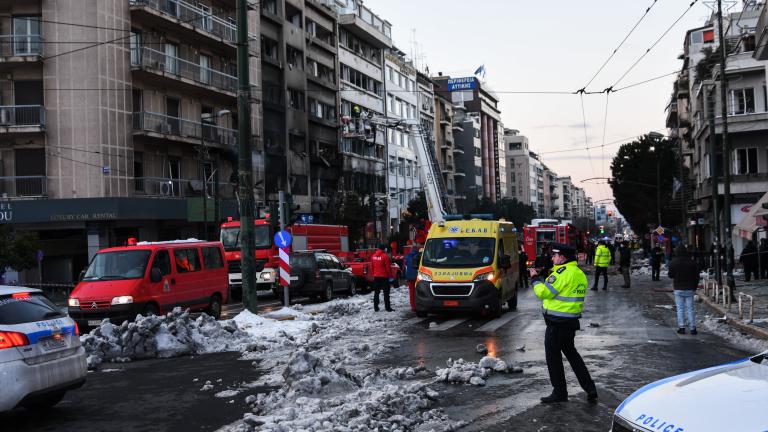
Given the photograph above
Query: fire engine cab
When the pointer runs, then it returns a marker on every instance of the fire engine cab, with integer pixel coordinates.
(545, 231)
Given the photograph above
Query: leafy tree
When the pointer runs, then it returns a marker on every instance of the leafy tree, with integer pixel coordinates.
(508, 208)
(348, 209)
(18, 249)
(417, 210)
(634, 183)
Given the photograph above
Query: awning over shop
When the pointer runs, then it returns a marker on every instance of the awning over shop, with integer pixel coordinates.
(753, 220)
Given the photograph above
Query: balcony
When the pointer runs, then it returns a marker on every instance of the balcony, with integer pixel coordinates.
(458, 149)
(23, 187)
(22, 118)
(367, 25)
(175, 68)
(447, 168)
(193, 18)
(20, 48)
(554, 196)
(163, 187)
(460, 172)
(164, 127)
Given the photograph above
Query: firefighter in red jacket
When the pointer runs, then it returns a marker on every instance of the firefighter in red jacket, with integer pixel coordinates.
(382, 275)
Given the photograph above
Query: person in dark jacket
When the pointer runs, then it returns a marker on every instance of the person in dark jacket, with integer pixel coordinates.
(657, 256)
(411, 262)
(523, 257)
(382, 274)
(685, 274)
(625, 262)
(543, 262)
(748, 259)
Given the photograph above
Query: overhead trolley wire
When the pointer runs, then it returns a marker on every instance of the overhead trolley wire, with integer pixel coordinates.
(620, 44)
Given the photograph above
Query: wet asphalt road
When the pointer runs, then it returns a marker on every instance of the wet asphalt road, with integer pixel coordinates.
(634, 344)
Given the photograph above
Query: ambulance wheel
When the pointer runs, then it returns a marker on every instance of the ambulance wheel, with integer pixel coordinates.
(498, 310)
(150, 309)
(214, 306)
(328, 292)
(512, 303)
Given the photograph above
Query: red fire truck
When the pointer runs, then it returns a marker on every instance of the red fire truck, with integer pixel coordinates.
(545, 231)
(331, 238)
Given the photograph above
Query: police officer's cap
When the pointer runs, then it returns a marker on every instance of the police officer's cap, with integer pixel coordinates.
(564, 249)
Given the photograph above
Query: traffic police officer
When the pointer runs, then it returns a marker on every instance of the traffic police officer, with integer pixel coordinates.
(563, 294)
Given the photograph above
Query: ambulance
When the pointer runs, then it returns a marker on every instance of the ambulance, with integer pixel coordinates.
(468, 265)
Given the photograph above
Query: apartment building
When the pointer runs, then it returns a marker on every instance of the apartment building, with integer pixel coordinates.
(529, 180)
(363, 39)
(401, 102)
(469, 162)
(550, 193)
(445, 146)
(300, 105)
(101, 142)
(501, 152)
(564, 188)
(697, 96)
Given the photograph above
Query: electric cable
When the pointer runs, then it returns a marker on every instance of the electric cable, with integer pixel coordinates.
(620, 44)
(690, 6)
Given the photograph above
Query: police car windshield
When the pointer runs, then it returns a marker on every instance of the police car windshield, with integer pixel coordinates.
(459, 252)
(128, 264)
(230, 238)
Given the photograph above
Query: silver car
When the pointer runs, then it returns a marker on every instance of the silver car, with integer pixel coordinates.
(40, 352)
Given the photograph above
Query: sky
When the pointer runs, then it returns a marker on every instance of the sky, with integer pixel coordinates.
(556, 46)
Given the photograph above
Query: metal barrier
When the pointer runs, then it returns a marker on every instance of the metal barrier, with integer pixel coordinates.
(751, 307)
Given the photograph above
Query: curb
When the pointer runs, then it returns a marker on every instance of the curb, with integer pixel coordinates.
(734, 321)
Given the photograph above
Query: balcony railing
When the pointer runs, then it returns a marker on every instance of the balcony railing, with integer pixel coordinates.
(192, 15)
(371, 18)
(163, 124)
(23, 187)
(154, 60)
(460, 172)
(22, 115)
(163, 187)
(21, 45)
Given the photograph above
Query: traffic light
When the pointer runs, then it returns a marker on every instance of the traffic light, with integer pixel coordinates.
(610, 213)
(602, 229)
(273, 216)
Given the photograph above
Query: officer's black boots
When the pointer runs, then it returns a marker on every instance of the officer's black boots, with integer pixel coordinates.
(555, 397)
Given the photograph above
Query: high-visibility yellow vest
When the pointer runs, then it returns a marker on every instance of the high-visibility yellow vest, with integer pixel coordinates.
(602, 256)
(563, 291)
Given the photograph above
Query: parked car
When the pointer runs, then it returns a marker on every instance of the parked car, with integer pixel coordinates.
(703, 400)
(319, 274)
(150, 279)
(40, 353)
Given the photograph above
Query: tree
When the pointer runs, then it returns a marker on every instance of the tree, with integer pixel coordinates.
(348, 209)
(417, 210)
(634, 183)
(508, 208)
(19, 249)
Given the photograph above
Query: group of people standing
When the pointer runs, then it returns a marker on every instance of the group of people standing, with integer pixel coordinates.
(755, 260)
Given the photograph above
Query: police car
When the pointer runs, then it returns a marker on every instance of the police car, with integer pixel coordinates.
(40, 352)
(730, 397)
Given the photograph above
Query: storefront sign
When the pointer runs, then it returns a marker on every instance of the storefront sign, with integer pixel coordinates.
(6, 212)
(91, 210)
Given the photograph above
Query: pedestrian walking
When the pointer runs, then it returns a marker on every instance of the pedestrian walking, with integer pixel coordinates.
(602, 260)
(382, 276)
(685, 276)
(523, 261)
(763, 254)
(625, 262)
(657, 256)
(544, 261)
(749, 260)
(562, 295)
(411, 262)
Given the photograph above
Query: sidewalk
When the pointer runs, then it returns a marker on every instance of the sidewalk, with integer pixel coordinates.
(758, 290)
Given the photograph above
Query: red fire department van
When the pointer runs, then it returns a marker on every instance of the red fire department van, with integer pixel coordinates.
(545, 231)
(150, 278)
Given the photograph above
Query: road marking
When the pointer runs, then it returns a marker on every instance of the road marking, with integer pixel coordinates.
(448, 324)
(414, 320)
(493, 325)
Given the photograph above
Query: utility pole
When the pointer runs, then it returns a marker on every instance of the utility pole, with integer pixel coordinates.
(658, 183)
(245, 159)
(726, 152)
(713, 179)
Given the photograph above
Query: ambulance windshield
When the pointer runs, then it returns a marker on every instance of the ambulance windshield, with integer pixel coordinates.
(459, 252)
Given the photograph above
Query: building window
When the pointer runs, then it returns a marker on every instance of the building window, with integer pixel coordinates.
(745, 161)
(135, 44)
(742, 101)
(401, 167)
(269, 6)
(321, 110)
(296, 99)
(269, 49)
(205, 69)
(294, 58)
(26, 35)
(171, 58)
(392, 165)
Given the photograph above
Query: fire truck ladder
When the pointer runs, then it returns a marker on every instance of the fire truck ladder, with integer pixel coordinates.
(434, 187)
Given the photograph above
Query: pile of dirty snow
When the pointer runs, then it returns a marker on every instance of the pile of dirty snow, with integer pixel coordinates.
(461, 371)
(744, 341)
(320, 395)
(170, 335)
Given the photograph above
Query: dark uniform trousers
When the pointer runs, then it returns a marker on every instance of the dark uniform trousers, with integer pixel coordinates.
(379, 284)
(601, 271)
(559, 339)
